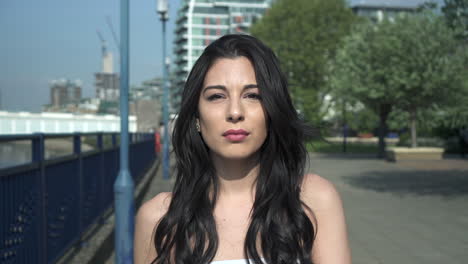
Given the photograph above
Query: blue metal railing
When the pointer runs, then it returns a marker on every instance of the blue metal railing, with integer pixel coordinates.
(46, 205)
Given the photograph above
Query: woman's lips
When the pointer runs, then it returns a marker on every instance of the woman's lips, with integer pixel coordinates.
(235, 135)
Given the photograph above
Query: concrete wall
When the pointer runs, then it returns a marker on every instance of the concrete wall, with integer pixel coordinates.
(27, 123)
(148, 114)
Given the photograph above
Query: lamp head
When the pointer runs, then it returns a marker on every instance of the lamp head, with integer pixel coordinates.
(162, 7)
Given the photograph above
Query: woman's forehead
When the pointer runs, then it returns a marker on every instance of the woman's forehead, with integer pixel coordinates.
(230, 70)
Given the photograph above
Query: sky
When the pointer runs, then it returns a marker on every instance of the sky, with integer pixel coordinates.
(53, 39)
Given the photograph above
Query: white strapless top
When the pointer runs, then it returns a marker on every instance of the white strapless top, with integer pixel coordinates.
(234, 261)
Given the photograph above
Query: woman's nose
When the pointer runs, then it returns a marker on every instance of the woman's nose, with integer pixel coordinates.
(235, 112)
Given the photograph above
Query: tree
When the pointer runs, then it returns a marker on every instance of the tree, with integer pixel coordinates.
(305, 34)
(456, 14)
(413, 63)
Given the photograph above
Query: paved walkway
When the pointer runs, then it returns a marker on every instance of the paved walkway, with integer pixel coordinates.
(406, 212)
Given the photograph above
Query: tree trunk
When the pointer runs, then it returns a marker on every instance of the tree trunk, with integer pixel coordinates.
(414, 142)
(382, 145)
(345, 126)
(384, 111)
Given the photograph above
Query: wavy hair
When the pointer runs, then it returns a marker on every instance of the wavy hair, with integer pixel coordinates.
(278, 222)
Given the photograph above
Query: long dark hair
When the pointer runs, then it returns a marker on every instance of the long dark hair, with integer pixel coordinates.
(279, 224)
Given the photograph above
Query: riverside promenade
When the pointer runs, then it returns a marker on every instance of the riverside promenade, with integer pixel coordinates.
(409, 212)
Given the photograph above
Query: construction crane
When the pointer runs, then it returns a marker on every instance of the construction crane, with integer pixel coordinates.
(116, 40)
(103, 44)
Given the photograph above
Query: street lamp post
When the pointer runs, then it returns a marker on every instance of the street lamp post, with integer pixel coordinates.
(162, 9)
(123, 185)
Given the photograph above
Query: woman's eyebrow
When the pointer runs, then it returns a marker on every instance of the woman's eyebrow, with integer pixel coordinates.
(222, 87)
(250, 86)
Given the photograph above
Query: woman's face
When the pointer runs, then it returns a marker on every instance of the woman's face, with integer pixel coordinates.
(231, 116)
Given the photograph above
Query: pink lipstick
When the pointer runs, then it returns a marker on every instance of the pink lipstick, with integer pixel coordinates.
(235, 135)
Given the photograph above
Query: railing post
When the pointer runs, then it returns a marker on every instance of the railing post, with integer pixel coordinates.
(79, 174)
(77, 143)
(104, 181)
(38, 156)
(114, 139)
(100, 141)
(152, 137)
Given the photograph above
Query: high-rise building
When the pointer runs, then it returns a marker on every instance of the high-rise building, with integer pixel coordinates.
(107, 82)
(64, 92)
(200, 22)
(377, 10)
(107, 86)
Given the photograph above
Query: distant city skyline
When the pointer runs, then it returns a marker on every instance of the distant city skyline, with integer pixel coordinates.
(54, 39)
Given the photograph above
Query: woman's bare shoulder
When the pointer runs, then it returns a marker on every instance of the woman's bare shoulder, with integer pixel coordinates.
(331, 239)
(153, 209)
(319, 193)
(148, 216)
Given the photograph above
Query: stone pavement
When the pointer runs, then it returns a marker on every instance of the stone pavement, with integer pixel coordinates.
(405, 212)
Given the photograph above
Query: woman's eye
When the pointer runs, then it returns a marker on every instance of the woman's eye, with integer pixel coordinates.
(254, 96)
(214, 97)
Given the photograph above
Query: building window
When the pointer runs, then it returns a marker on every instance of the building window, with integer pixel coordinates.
(197, 42)
(210, 21)
(197, 20)
(197, 31)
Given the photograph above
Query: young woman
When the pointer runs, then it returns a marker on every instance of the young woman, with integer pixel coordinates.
(240, 192)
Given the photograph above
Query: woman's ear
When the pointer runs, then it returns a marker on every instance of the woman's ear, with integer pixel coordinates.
(197, 124)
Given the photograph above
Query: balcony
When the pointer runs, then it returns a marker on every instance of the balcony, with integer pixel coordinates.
(181, 28)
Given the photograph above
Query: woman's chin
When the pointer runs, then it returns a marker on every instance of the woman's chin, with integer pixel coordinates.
(235, 156)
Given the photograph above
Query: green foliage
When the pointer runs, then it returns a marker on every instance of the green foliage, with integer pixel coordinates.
(108, 107)
(305, 34)
(398, 120)
(358, 118)
(364, 121)
(456, 115)
(428, 120)
(413, 63)
(456, 14)
(322, 146)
